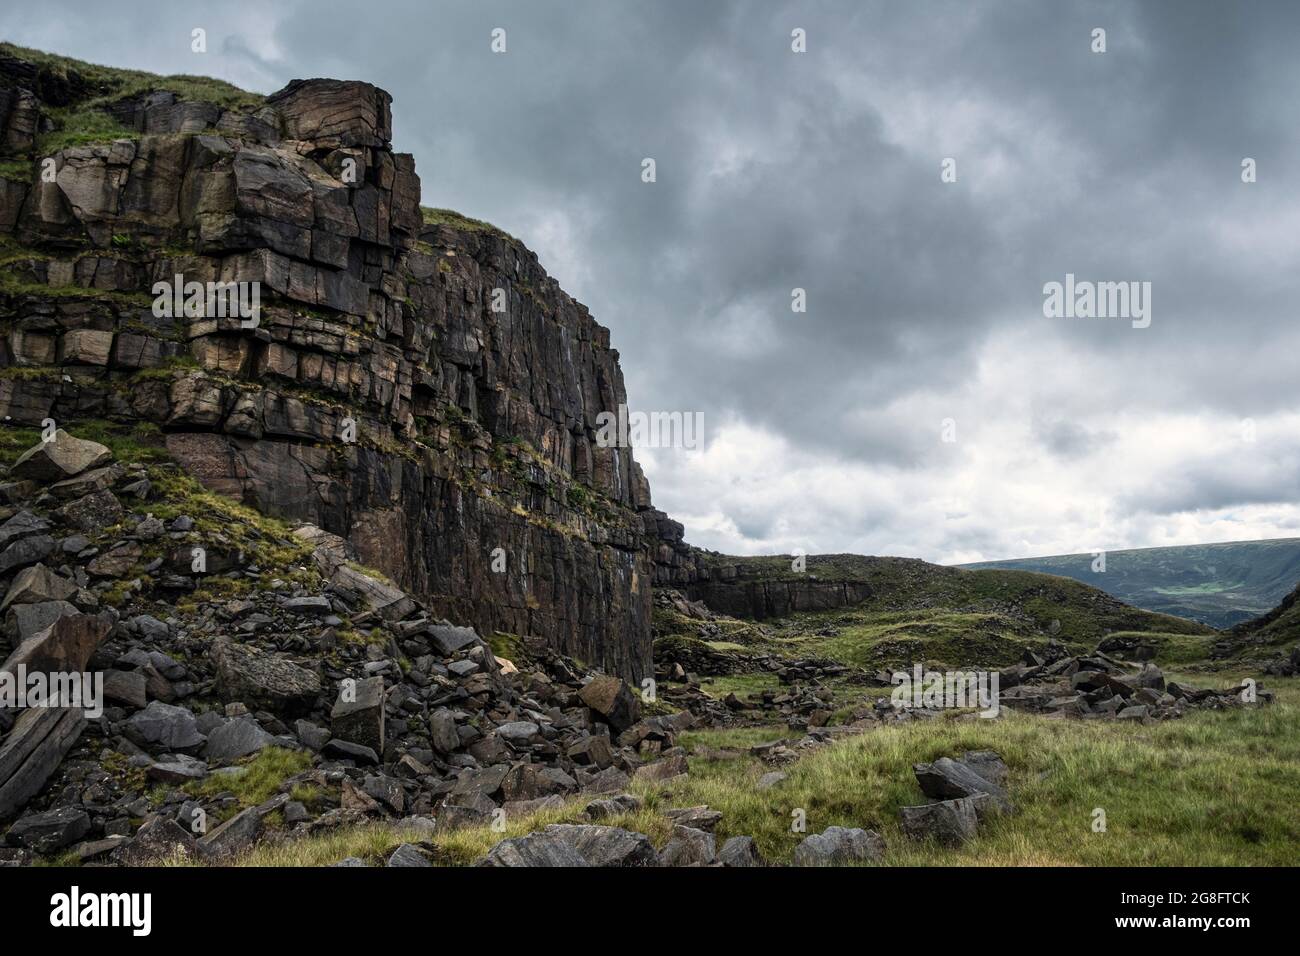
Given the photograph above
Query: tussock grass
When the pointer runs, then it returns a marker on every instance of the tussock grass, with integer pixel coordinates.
(367, 842)
(81, 126)
(1214, 789)
(449, 217)
(107, 82)
(257, 779)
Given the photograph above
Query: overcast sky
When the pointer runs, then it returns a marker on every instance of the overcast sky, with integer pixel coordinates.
(822, 171)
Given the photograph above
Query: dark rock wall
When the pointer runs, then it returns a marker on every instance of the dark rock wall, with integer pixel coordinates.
(475, 428)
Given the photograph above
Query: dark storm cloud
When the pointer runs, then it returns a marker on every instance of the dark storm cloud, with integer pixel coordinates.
(821, 171)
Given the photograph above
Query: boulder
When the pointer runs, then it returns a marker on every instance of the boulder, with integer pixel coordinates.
(688, 847)
(117, 562)
(605, 846)
(613, 806)
(613, 700)
(66, 645)
(358, 714)
(407, 855)
(1151, 677)
(948, 779)
(22, 525)
(32, 749)
(519, 733)
(253, 676)
(740, 851)
(126, 687)
(950, 822)
(661, 770)
(165, 727)
(334, 113)
(346, 750)
(237, 738)
(88, 482)
(59, 458)
(442, 731)
(447, 640)
(93, 512)
(839, 846)
(390, 603)
(534, 850)
(593, 750)
(158, 838)
(701, 818)
(177, 770)
(151, 629)
(49, 831)
(469, 809)
(310, 735)
(609, 780)
(28, 620)
(235, 835)
(26, 551)
(312, 606)
(38, 584)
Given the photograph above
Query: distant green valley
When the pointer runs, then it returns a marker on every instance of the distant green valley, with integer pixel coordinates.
(1217, 584)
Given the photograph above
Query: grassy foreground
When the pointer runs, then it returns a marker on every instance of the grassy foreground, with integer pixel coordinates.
(1214, 789)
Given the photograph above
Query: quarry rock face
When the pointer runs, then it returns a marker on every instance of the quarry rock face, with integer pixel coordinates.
(421, 389)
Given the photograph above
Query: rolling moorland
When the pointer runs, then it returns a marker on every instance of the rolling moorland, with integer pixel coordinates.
(1217, 584)
(347, 679)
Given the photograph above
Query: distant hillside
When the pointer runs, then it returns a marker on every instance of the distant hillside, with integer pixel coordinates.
(909, 591)
(1218, 584)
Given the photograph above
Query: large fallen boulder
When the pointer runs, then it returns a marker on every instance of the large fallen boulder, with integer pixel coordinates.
(51, 830)
(38, 584)
(390, 603)
(948, 779)
(237, 738)
(358, 714)
(253, 676)
(165, 727)
(65, 646)
(28, 620)
(59, 458)
(33, 748)
(613, 700)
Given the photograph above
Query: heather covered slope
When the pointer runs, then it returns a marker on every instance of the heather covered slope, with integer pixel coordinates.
(1217, 584)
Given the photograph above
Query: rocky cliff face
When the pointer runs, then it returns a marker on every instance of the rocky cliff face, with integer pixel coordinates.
(472, 380)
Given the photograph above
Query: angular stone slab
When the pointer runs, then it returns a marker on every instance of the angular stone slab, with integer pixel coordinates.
(34, 748)
(61, 457)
